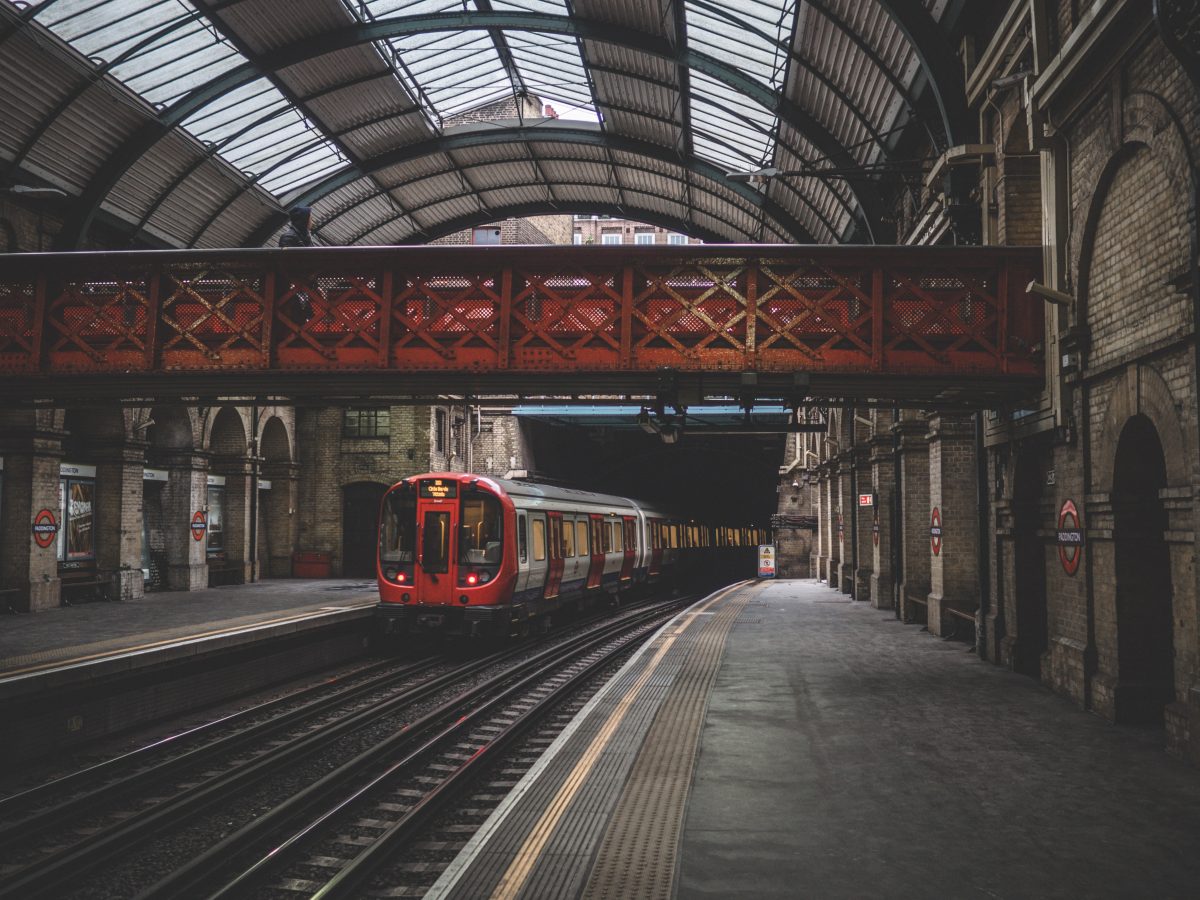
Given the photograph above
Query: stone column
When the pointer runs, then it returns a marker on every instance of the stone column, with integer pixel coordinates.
(954, 570)
(829, 564)
(118, 523)
(237, 516)
(31, 462)
(883, 482)
(185, 494)
(845, 569)
(913, 497)
(864, 518)
(819, 511)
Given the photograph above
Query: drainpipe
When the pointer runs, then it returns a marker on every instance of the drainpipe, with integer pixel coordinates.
(254, 492)
(853, 507)
(897, 499)
(981, 492)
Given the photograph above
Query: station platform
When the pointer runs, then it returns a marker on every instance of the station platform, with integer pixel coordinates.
(780, 740)
(75, 673)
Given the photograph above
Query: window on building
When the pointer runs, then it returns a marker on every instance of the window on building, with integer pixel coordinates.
(489, 235)
(643, 237)
(460, 447)
(677, 239)
(610, 237)
(362, 422)
(578, 239)
(439, 431)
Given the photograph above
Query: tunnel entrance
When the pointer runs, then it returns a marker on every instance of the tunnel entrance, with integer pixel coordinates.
(1030, 564)
(1145, 639)
(360, 515)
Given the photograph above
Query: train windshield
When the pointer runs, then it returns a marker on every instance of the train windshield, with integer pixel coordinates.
(480, 524)
(398, 529)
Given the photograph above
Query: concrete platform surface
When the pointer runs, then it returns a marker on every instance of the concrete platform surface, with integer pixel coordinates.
(95, 630)
(845, 754)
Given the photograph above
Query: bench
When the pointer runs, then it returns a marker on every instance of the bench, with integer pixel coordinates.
(86, 589)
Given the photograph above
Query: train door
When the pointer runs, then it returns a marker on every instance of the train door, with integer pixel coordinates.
(539, 551)
(583, 554)
(596, 566)
(522, 553)
(437, 514)
(628, 532)
(656, 547)
(554, 541)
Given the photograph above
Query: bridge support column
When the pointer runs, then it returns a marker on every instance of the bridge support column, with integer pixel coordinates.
(845, 509)
(863, 518)
(119, 521)
(28, 572)
(953, 566)
(277, 519)
(185, 494)
(913, 496)
(884, 483)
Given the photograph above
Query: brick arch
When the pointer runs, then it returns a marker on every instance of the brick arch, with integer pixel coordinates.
(275, 442)
(211, 418)
(1149, 124)
(1143, 390)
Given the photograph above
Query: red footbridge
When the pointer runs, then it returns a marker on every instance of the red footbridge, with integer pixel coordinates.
(919, 326)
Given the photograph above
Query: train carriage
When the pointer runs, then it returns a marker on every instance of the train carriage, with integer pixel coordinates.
(463, 554)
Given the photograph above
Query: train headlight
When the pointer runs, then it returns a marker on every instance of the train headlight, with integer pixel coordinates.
(484, 577)
(390, 575)
(472, 579)
(402, 578)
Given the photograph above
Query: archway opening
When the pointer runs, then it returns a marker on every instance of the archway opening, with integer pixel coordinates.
(1029, 562)
(228, 506)
(360, 516)
(1145, 634)
(276, 500)
(166, 495)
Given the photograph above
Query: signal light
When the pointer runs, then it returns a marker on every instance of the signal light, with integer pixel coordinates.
(402, 578)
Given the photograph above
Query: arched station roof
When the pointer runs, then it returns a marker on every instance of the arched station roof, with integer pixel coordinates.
(198, 122)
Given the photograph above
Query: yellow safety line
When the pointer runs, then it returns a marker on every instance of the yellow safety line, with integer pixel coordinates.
(183, 639)
(521, 867)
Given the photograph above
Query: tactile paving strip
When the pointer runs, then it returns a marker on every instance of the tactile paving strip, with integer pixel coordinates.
(638, 855)
(541, 841)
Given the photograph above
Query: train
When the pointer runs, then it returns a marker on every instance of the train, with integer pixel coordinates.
(471, 556)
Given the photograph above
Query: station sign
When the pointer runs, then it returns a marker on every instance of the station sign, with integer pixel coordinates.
(216, 480)
(154, 475)
(199, 525)
(1069, 537)
(45, 528)
(935, 531)
(76, 470)
(766, 560)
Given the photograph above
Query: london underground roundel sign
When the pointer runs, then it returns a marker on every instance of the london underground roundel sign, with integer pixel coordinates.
(935, 531)
(199, 525)
(1069, 536)
(45, 528)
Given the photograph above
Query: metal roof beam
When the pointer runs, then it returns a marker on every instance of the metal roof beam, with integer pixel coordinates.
(113, 169)
(577, 133)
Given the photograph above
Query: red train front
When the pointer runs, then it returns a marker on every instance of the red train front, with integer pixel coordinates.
(446, 562)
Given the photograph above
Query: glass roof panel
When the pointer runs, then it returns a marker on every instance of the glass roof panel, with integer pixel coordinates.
(734, 31)
(719, 109)
(162, 49)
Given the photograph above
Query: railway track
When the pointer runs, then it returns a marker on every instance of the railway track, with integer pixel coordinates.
(54, 835)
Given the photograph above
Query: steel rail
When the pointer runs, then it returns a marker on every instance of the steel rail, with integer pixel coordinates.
(185, 880)
(73, 807)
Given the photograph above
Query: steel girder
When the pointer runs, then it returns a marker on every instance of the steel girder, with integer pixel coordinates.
(576, 133)
(115, 167)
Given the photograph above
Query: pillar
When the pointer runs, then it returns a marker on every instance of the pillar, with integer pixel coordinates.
(954, 569)
(845, 568)
(883, 483)
(119, 469)
(819, 511)
(913, 496)
(863, 519)
(31, 461)
(829, 499)
(277, 513)
(185, 494)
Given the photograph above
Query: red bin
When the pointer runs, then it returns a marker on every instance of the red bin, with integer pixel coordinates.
(311, 565)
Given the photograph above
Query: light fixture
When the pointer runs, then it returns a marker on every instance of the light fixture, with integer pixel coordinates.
(647, 424)
(1049, 294)
(1010, 80)
(29, 190)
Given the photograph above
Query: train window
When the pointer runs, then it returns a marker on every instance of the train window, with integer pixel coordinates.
(398, 528)
(435, 543)
(522, 538)
(617, 544)
(480, 525)
(568, 538)
(581, 538)
(606, 534)
(539, 539)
